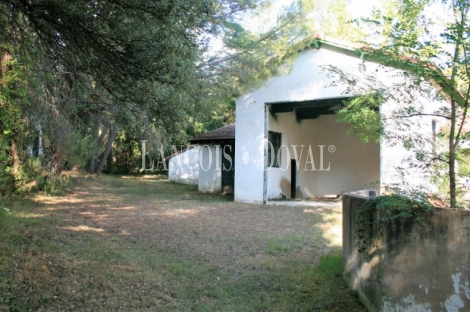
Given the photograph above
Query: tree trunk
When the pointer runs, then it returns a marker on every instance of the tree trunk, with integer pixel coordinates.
(16, 159)
(453, 137)
(128, 160)
(109, 161)
(452, 189)
(112, 135)
(96, 130)
(99, 143)
(92, 165)
(6, 57)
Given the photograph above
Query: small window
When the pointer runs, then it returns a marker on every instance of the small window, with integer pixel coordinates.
(275, 138)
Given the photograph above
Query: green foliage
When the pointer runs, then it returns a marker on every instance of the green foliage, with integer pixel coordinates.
(323, 288)
(7, 181)
(5, 220)
(12, 97)
(133, 65)
(130, 43)
(56, 185)
(430, 58)
(285, 245)
(386, 209)
(464, 165)
(332, 18)
(362, 113)
(249, 57)
(126, 271)
(35, 177)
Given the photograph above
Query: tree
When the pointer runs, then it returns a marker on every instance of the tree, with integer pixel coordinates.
(406, 42)
(247, 58)
(333, 19)
(87, 67)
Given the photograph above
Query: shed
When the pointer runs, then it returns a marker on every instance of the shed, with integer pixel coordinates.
(290, 145)
(183, 166)
(217, 160)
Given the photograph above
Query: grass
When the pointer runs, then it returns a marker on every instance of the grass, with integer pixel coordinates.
(284, 245)
(4, 220)
(143, 244)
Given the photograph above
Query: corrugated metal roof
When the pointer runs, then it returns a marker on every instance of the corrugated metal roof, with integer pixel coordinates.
(224, 133)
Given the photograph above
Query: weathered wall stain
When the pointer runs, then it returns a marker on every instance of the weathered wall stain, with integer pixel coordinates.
(410, 270)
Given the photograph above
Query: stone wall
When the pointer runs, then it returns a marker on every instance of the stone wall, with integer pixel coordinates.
(410, 269)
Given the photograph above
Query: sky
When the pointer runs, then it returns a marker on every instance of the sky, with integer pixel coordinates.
(361, 8)
(357, 8)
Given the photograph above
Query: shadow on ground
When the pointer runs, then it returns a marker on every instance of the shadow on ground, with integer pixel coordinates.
(144, 244)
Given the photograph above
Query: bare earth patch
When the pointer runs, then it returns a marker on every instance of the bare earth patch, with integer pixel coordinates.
(142, 243)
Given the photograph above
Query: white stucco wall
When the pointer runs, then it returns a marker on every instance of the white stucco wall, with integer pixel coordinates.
(394, 156)
(351, 160)
(306, 81)
(184, 167)
(353, 165)
(210, 173)
(294, 135)
(347, 166)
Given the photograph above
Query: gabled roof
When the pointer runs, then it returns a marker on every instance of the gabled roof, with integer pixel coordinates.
(433, 72)
(226, 133)
(319, 41)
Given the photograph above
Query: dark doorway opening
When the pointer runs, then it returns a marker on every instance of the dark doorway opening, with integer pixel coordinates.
(228, 168)
(293, 178)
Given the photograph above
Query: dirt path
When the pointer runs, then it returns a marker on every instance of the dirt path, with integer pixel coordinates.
(141, 243)
(177, 216)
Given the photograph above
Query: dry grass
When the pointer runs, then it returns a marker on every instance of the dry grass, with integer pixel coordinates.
(141, 243)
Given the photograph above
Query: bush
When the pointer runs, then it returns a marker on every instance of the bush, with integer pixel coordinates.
(5, 220)
(34, 177)
(7, 181)
(57, 185)
(382, 210)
